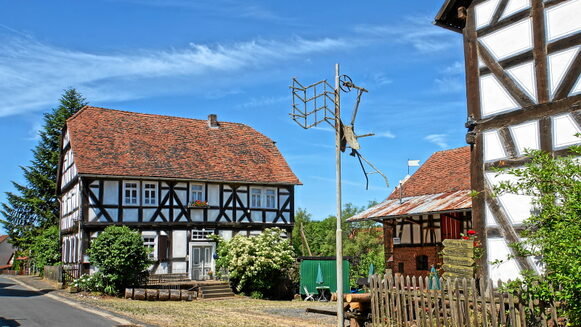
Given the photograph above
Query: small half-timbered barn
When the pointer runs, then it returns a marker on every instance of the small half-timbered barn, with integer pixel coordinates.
(523, 61)
(428, 207)
(176, 180)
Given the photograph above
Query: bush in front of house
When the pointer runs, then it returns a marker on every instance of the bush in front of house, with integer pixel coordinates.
(121, 258)
(44, 249)
(257, 265)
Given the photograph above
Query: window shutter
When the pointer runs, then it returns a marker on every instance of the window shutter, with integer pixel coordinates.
(162, 247)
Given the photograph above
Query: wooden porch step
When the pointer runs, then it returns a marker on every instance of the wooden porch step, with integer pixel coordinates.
(217, 290)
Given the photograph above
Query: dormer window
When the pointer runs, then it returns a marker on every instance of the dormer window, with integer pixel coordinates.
(131, 192)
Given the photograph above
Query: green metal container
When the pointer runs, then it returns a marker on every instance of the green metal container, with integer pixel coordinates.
(310, 267)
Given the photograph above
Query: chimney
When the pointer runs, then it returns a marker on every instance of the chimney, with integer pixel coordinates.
(213, 121)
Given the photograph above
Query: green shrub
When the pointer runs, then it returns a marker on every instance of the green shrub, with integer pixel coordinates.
(44, 250)
(257, 265)
(121, 258)
(553, 232)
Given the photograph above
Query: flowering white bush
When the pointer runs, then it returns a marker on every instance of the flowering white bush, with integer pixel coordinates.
(256, 263)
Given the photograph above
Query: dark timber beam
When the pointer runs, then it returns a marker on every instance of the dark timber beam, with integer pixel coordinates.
(499, 11)
(540, 51)
(510, 235)
(570, 79)
(509, 84)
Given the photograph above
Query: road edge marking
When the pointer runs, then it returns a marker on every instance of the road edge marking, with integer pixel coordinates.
(76, 305)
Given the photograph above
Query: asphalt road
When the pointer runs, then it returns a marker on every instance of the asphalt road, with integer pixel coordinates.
(20, 306)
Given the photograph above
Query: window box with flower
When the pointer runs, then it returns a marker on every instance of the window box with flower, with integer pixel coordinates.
(198, 204)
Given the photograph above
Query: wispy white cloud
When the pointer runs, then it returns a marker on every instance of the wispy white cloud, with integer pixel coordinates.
(449, 84)
(33, 74)
(264, 101)
(386, 134)
(438, 139)
(229, 8)
(451, 79)
(456, 68)
(415, 31)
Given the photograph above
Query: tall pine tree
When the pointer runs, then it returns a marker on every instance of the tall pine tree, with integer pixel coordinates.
(33, 207)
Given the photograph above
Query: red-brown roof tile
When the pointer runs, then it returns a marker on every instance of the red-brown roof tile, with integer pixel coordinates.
(3, 238)
(441, 184)
(120, 143)
(445, 171)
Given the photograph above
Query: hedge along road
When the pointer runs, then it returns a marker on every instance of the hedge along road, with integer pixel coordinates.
(22, 305)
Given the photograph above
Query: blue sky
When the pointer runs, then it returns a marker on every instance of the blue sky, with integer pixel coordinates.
(236, 59)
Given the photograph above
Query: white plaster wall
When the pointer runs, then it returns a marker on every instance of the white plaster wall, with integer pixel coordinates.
(183, 196)
(179, 267)
(286, 216)
(225, 234)
(493, 148)
(498, 250)
(147, 214)
(197, 214)
(213, 195)
(563, 20)
(526, 136)
(111, 192)
(256, 215)
(559, 64)
(179, 244)
(213, 214)
(130, 215)
(515, 6)
(270, 216)
(564, 131)
(489, 217)
(518, 207)
(484, 12)
(494, 98)
(511, 40)
(112, 212)
(524, 75)
(162, 268)
(240, 213)
(92, 214)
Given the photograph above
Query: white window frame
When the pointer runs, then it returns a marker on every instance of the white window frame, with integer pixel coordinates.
(147, 191)
(274, 203)
(201, 192)
(263, 198)
(252, 202)
(150, 241)
(136, 193)
(201, 234)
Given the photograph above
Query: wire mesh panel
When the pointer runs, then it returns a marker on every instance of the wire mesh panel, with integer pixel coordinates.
(313, 104)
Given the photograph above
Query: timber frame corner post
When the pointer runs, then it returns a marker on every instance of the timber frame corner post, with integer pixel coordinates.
(522, 61)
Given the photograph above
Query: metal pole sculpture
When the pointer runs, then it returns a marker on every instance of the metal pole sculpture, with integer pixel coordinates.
(311, 107)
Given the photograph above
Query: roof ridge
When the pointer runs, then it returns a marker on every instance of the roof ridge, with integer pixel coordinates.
(149, 115)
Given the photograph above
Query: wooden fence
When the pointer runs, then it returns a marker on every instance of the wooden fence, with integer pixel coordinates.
(408, 301)
(54, 273)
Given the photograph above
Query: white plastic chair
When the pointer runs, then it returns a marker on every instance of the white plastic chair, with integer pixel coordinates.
(309, 295)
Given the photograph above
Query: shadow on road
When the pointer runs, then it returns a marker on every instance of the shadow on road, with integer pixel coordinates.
(8, 322)
(7, 291)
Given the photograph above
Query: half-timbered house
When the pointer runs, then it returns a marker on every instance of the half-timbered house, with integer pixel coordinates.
(428, 207)
(176, 180)
(522, 60)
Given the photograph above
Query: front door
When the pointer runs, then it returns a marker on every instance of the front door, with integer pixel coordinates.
(201, 261)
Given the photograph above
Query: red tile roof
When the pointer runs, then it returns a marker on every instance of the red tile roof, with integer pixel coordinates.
(3, 238)
(441, 184)
(120, 143)
(444, 171)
